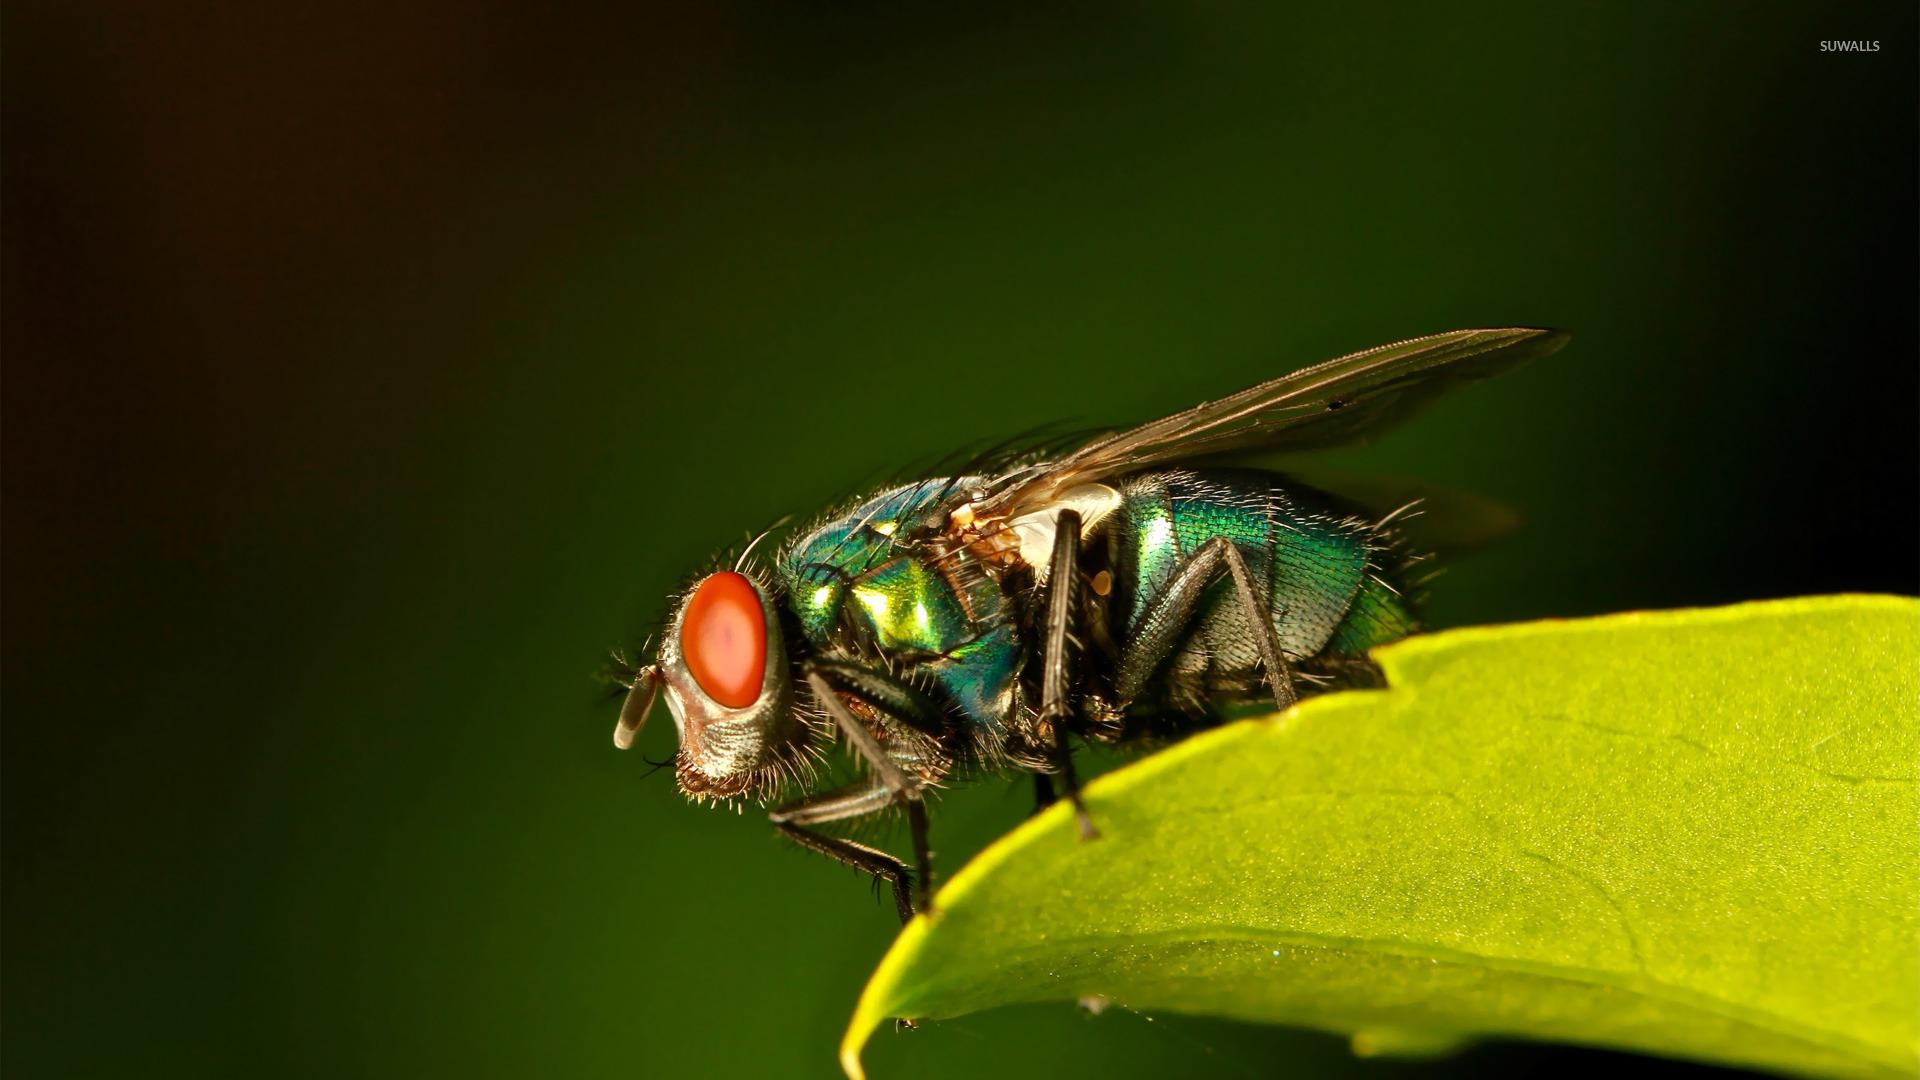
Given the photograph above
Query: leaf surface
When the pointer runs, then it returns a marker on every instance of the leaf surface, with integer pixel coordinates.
(1691, 833)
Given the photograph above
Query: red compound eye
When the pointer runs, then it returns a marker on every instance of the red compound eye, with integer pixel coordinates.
(723, 635)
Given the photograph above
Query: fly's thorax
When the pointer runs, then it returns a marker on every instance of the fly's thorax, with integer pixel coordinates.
(889, 582)
(912, 605)
(879, 568)
(724, 672)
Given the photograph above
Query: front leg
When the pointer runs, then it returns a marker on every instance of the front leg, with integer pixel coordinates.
(854, 801)
(900, 787)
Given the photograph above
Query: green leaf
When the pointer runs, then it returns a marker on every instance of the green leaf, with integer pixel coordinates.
(1690, 833)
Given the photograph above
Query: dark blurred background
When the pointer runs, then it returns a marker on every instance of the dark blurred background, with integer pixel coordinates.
(369, 370)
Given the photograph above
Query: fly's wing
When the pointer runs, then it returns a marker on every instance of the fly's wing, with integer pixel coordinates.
(1433, 519)
(1339, 402)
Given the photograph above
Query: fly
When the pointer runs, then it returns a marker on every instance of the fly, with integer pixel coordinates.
(975, 624)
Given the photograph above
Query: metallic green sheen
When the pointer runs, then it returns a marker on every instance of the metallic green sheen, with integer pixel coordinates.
(912, 608)
(949, 620)
(819, 568)
(1317, 564)
(1378, 616)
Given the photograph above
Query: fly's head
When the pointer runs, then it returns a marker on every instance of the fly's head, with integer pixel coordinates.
(723, 669)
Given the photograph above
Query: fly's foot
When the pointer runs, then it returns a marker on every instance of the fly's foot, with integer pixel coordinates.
(896, 884)
(1087, 831)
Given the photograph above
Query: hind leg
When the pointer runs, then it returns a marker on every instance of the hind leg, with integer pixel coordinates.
(1164, 627)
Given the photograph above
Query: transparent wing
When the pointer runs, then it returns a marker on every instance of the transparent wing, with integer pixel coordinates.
(1434, 520)
(1342, 401)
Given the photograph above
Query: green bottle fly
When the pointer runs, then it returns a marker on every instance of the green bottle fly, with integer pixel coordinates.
(1133, 586)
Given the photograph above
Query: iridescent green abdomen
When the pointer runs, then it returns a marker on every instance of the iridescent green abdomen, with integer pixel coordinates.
(1326, 573)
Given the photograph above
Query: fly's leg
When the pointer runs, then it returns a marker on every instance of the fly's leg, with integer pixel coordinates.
(1279, 676)
(855, 800)
(1063, 573)
(1160, 631)
(1042, 791)
(860, 857)
(898, 700)
(900, 787)
(859, 799)
(852, 801)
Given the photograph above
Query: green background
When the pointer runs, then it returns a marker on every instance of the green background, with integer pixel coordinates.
(370, 372)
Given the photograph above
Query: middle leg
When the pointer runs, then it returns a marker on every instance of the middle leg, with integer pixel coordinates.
(1063, 574)
(1043, 795)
